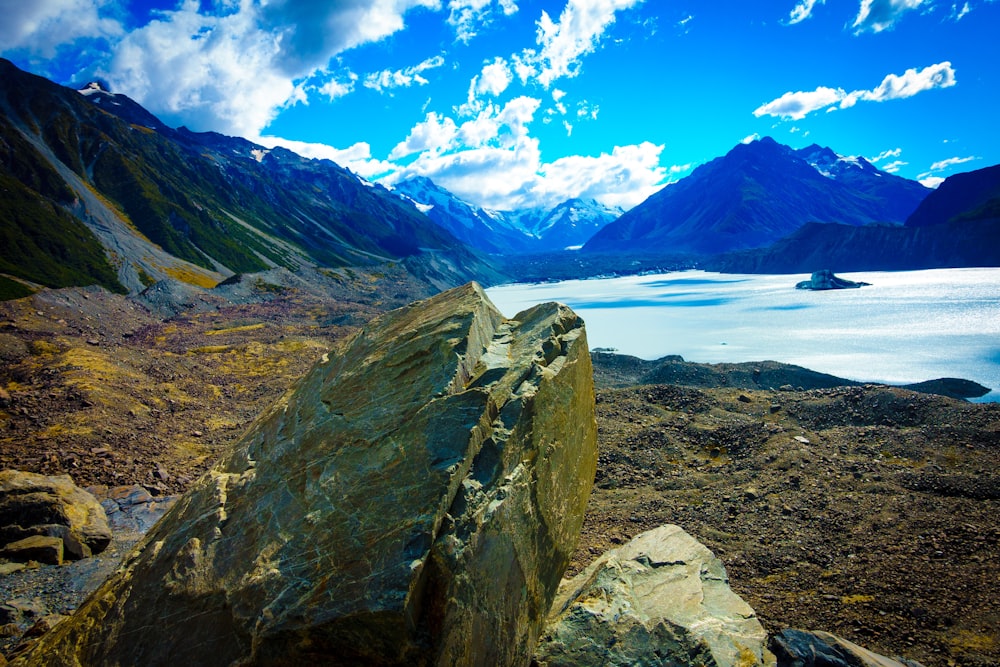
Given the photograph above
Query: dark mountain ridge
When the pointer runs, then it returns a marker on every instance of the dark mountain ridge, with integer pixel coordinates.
(756, 194)
(96, 170)
(957, 225)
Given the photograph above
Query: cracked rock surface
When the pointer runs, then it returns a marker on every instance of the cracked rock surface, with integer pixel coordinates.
(414, 499)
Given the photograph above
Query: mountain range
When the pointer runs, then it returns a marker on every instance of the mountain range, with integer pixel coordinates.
(957, 225)
(94, 189)
(97, 190)
(756, 194)
(532, 230)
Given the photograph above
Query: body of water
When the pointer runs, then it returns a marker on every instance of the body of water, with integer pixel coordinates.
(907, 326)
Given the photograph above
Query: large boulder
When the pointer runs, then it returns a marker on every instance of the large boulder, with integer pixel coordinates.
(51, 506)
(661, 599)
(414, 500)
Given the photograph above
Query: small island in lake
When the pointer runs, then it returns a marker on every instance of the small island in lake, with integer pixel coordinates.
(824, 280)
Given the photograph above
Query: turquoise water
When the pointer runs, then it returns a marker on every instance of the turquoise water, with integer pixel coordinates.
(908, 326)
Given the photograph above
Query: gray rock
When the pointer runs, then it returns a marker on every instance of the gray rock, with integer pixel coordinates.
(33, 505)
(661, 599)
(798, 648)
(414, 500)
(825, 280)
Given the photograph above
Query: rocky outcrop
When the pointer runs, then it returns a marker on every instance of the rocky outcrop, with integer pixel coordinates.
(33, 507)
(413, 500)
(825, 280)
(662, 599)
(797, 648)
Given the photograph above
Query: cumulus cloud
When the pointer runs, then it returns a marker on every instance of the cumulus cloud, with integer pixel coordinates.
(335, 87)
(358, 158)
(625, 177)
(494, 78)
(467, 17)
(434, 134)
(494, 162)
(879, 15)
(562, 44)
(234, 67)
(803, 10)
(894, 166)
(403, 78)
(40, 27)
(798, 105)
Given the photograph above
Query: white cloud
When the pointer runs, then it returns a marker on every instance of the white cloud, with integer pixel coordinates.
(958, 13)
(494, 162)
(569, 128)
(797, 105)
(558, 94)
(879, 15)
(581, 25)
(357, 158)
(335, 88)
(40, 27)
(893, 166)
(931, 179)
(803, 10)
(625, 177)
(403, 78)
(951, 162)
(895, 87)
(750, 138)
(232, 70)
(494, 78)
(892, 152)
(434, 134)
(468, 16)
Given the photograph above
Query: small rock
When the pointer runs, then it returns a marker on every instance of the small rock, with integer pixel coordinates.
(743, 398)
(41, 548)
(775, 408)
(786, 387)
(804, 440)
(93, 341)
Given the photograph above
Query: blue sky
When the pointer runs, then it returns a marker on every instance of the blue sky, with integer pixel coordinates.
(514, 103)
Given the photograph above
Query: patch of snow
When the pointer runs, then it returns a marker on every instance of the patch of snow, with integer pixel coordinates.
(259, 153)
(423, 208)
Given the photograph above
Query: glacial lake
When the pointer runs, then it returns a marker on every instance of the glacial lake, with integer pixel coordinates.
(907, 326)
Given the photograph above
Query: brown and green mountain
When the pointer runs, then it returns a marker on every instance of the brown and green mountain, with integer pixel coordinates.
(95, 189)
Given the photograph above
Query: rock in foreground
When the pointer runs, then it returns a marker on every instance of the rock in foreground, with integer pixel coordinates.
(661, 599)
(413, 500)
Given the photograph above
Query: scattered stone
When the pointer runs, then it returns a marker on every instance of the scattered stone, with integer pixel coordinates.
(662, 599)
(10, 568)
(801, 438)
(743, 398)
(414, 500)
(774, 408)
(37, 505)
